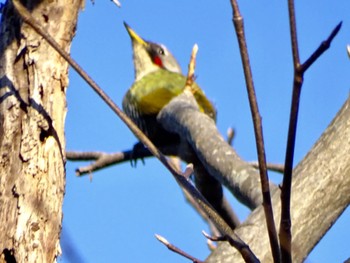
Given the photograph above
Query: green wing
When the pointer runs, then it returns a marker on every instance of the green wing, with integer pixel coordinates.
(151, 93)
(155, 90)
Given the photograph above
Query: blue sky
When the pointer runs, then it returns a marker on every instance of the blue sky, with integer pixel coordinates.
(114, 216)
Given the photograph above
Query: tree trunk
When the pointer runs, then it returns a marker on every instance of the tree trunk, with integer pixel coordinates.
(33, 82)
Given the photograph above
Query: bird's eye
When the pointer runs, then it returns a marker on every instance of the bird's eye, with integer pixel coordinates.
(161, 51)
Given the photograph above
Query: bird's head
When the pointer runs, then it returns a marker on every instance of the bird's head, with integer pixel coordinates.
(149, 57)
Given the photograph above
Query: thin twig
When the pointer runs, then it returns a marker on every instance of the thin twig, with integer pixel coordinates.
(214, 238)
(230, 135)
(191, 67)
(267, 204)
(279, 168)
(117, 3)
(177, 250)
(293, 34)
(103, 160)
(219, 222)
(285, 234)
(321, 49)
(223, 238)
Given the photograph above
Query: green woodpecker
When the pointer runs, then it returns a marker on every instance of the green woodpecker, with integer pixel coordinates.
(158, 79)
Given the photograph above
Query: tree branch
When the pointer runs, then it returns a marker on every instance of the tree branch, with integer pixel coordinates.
(321, 186)
(206, 183)
(321, 49)
(299, 70)
(279, 168)
(182, 116)
(259, 138)
(103, 160)
(177, 250)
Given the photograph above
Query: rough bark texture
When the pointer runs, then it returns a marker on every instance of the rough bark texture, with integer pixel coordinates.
(182, 116)
(320, 190)
(320, 193)
(33, 82)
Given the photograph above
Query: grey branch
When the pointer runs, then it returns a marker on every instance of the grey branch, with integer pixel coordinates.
(321, 186)
(274, 167)
(182, 116)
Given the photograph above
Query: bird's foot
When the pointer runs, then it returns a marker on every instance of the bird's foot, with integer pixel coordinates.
(137, 153)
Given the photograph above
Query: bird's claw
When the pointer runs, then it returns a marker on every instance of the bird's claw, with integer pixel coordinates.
(136, 152)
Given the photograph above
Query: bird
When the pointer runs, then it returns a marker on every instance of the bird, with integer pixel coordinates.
(158, 79)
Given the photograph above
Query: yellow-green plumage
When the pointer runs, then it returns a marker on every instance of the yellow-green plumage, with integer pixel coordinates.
(147, 96)
(155, 90)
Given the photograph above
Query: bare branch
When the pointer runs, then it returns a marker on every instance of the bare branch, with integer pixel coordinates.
(285, 235)
(231, 241)
(321, 49)
(279, 168)
(293, 33)
(259, 138)
(103, 160)
(176, 249)
(214, 238)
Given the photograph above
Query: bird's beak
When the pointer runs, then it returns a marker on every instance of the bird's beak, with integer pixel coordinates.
(134, 36)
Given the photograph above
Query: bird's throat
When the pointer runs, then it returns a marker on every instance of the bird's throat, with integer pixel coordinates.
(142, 62)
